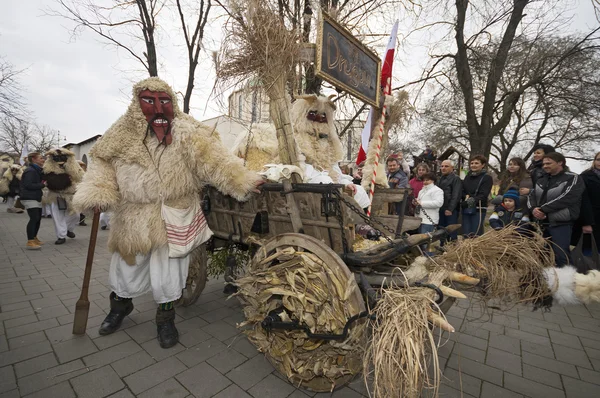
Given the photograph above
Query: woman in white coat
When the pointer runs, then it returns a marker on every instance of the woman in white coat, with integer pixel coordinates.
(428, 203)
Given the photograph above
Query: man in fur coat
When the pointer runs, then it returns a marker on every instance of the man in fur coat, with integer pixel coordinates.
(9, 187)
(152, 157)
(62, 173)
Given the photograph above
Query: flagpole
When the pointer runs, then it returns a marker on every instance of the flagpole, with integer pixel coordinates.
(378, 147)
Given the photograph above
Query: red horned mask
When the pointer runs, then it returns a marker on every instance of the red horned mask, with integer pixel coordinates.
(157, 106)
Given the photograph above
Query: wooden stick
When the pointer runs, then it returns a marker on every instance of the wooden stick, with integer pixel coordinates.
(82, 307)
(378, 150)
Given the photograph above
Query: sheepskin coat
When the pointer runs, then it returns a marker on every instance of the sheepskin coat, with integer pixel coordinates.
(131, 174)
(6, 182)
(257, 146)
(53, 170)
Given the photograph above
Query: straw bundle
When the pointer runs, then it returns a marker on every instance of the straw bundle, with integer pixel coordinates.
(509, 264)
(301, 287)
(401, 357)
(258, 45)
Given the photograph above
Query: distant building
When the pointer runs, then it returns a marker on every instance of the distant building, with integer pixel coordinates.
(82, 149)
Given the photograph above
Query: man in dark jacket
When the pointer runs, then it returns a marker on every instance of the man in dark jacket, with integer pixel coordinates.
(31, 197)
(555, 202)
(451, 184)
(476, 188)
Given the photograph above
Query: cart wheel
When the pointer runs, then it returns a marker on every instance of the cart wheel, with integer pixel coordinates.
(299, 278)
(196, 279)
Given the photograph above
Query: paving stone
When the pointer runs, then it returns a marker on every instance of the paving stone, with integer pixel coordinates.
(194, 337)
(493, 391)
(142, 333)
(445, 350)
(23, 353)
(52, 312)
(581, 333)
(505, 343)
(37, 289)
(61, 333)
(241, 344)
(153, 348)
(112, 354)
(169, 388)
(133, 363)
(74, 348)
(7, 379)
(449, 392)
(476, 369)
(97, 383)
(589, 343)
(50, 377)
(589, 375)
(104, 342)
(3, 343)
(504, 360)
(234, 391)
(31, 328)
(15, 306)
(26, 340)
(343, 392)
(549, 364)
(527, 327)
(201, 352)
(203, 381)
(122, 394)
(461, 382)
(221, 330)
(250, 372)
(504, 320)
(572, 356)
(273, 387)
(544, 350)
(16, 314)
(530, 388)
(11, 323)
(565, 339)
(61, 390)
(539, 323)
(542, 376)
(526, 336)
(35, 365)
(218, 314)
(226, 360)
(154, 375)
(464, 351)
(580, 389)
(471, 341)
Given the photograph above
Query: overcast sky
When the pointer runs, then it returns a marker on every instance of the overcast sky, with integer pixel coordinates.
(81, 87)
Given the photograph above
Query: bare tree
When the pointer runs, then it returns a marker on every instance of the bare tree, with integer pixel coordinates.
(43, 138)
(12, 104)
(116, 24)
(557, 100)
(14, 133)
(193, 41)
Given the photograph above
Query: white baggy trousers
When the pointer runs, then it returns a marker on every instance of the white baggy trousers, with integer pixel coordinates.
(156, 271)
(63, 221)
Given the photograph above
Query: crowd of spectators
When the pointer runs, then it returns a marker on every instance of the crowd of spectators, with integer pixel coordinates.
(544, 197)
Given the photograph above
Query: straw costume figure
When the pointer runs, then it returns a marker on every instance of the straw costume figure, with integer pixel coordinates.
(152, 161)
(10, 185)
(62, 173)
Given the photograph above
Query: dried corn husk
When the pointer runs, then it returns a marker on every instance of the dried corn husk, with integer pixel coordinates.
(303, 288)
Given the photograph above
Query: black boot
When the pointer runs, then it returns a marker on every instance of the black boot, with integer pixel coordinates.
(168, 335)
(119, 309)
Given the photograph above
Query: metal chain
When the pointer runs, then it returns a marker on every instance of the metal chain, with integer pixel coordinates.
(369, 221)
(338, 215)
(427, 215)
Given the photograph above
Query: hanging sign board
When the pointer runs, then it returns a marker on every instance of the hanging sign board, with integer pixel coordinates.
(346, 63)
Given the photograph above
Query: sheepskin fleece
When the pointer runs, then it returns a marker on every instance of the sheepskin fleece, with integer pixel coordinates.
(7, 178)
(587, 287)
(130, 180)
(263, 147)
(321, 153)
(561, 282)
(417, 270)
(71, 167)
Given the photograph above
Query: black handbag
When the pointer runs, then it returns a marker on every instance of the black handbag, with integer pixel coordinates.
(470, 210)
(585, 263)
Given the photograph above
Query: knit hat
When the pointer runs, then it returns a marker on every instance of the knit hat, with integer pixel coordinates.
(514, 195)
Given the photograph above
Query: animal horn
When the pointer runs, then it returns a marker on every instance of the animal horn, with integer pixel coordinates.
(451, 292)
(462, 278)
(307, 97)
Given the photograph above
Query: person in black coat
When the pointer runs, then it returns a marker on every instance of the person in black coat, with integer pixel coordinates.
(31, 197)
(476, 188)
(535, 168)
(589, 219)
(451, 184)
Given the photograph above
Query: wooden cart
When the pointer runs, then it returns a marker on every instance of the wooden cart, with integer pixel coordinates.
(318, 220)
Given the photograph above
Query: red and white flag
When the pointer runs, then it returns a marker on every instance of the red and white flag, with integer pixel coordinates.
(386, 73)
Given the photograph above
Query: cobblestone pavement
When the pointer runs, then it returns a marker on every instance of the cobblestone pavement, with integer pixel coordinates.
(502, 354)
